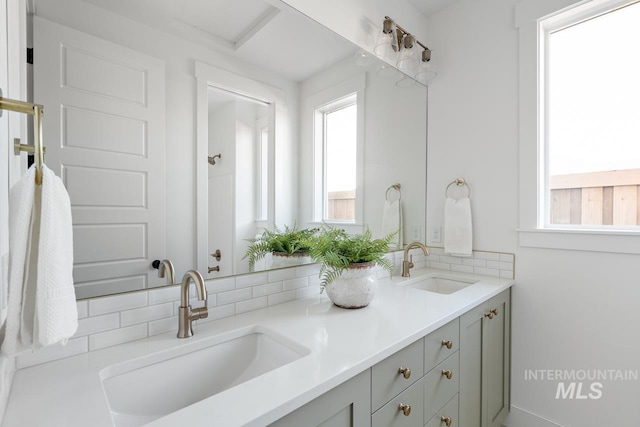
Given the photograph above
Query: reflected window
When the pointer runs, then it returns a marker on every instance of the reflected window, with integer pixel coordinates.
(336, 145)
(262, 202)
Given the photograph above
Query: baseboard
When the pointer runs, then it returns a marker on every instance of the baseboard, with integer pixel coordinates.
(519, 417)
(7, 371)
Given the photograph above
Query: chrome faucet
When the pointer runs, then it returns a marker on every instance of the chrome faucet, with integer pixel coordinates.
(166, 268)
(186, 315)
(407, 263)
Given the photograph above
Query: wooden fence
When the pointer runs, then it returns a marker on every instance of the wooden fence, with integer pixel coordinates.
(597, 198)
(341, 205)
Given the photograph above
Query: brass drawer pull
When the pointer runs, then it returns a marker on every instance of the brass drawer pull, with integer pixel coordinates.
(406, 409)
(495, 311)
(447, 373)
(406, 372)
(447, 343)
(489, 315)
(446, 420)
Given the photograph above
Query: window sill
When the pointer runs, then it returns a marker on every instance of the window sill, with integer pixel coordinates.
(624, 242)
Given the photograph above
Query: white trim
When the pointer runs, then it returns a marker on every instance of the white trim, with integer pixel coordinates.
(341, 91)
(529, 13)
(208, 75)
(519, 417)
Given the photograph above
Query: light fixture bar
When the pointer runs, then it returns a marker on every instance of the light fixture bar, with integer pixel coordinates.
(425, 57)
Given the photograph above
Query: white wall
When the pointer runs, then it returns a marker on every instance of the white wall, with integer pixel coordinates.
(571, 309)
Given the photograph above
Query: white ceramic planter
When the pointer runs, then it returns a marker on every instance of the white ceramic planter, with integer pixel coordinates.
(281, 259)
(355, 288)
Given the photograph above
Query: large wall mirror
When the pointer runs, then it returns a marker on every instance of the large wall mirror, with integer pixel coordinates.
(184, 128)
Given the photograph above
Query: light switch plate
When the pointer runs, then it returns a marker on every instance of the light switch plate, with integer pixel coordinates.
(436, 234)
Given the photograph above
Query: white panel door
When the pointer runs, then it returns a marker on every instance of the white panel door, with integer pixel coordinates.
(104, 130)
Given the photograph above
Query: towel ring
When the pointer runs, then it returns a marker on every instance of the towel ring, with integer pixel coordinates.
(459, 182)
(393, 187)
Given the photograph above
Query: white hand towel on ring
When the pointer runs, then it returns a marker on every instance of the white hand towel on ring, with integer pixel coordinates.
(458, 232)
(392, 222)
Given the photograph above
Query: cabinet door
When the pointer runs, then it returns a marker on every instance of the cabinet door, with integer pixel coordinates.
(485, 363)
(348, 405)
(496, 360)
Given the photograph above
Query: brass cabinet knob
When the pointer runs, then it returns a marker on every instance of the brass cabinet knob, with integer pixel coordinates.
(489, 315)
(446, 420)
(447, 343)
(217, 255)
(447, 373)
(495, 311)
(406, 409)
(406, 372)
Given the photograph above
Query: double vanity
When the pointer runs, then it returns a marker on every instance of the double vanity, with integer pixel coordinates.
(430, 350)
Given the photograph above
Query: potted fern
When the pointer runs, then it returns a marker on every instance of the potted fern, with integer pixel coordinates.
(288, 247)
(349, 263)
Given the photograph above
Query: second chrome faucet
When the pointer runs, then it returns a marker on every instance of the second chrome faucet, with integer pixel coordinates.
(186, 315)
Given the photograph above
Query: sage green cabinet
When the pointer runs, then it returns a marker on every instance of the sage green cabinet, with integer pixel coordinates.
(347, 405)
(485, 363)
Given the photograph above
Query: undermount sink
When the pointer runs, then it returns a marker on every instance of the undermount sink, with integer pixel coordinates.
(147, 388)
(442, 285)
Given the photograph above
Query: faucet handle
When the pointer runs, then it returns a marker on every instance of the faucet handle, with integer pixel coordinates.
(200, 312)
(411, 265)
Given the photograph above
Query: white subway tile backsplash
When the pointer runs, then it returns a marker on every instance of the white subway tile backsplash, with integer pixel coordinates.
(117, 336)
(252, 304)
(486, 271)
(220, 285)
(250, 279)
(507, 258)
(474, 262)
(83, 309)
(462, 268)
(437, 251)
(300, 282)
(116, 303)
(268, 289)
(281, 274)
(440, 265)
(219, 312)
(92, 325)
(53, 352)
(500, 265)
(308, 270)
(450, 259)
(234, 296)
(281, 297)
(146, 314)
(314, 280)
(163, 325)
(168, 294)
(505, 274)
(307, 292)
(489, 256)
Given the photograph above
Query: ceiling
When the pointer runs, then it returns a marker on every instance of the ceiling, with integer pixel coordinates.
(255, 31)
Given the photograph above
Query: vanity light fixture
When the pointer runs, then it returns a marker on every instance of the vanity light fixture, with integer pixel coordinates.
(397, 45)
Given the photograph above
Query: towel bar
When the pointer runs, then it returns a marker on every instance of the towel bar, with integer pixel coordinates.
(459, 182)
(393, 187)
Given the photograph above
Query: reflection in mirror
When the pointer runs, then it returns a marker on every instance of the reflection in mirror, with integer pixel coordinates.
(235, 84)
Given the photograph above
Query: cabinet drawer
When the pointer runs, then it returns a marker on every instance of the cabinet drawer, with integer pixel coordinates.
(449, 412)
(438, 389)
(392, 413)
(386, 378)
(435, 344)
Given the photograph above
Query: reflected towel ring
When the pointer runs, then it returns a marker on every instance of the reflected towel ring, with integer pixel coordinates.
(459, 182)
(393, 187)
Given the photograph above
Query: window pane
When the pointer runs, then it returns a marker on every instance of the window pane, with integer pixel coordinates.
(340, 166)
(593, 120)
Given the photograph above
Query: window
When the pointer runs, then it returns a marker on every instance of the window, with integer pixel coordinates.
(589, 119)
(336, 142)
(262, 169)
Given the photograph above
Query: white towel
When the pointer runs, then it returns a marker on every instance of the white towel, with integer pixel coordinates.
(457, 227)
(42, 305)
(392, 222)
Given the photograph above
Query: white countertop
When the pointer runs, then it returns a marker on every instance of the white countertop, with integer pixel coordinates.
(342, 344)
